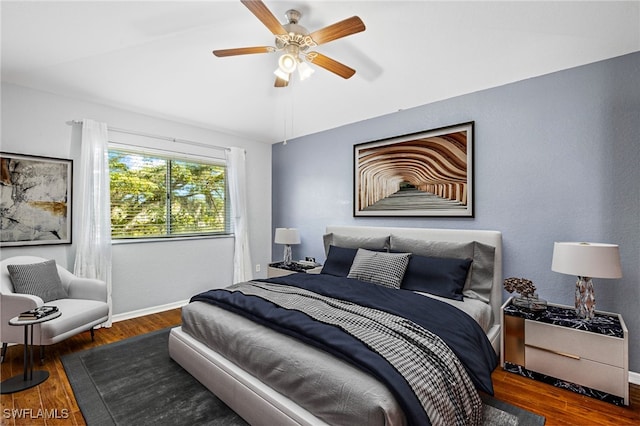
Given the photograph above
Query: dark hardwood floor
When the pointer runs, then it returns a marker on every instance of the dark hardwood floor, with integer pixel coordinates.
(53, 402)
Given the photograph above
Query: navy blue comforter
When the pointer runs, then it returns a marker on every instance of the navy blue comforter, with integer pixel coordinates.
(458, 330)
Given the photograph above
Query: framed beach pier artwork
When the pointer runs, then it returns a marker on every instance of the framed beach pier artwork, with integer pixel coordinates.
(429, 173)
(35, 200)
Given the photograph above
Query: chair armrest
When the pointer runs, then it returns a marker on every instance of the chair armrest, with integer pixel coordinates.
(88, 288)
(15, 303)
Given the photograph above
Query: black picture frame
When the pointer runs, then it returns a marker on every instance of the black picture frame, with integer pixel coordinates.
(35, 200)
(428, 173)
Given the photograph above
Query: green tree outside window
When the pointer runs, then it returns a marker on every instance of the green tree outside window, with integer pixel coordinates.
(155, 196)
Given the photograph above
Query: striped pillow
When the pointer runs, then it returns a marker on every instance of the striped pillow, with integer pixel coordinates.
(38, 279)
(386, 269)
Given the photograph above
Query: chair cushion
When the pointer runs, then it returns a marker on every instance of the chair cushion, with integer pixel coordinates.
(76, 316)
(38, 279)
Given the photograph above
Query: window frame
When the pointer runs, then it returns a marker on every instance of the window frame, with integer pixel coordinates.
(171, 156)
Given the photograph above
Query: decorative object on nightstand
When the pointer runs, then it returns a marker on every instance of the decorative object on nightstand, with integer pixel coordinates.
(279, 269)
(587, 261)
(528, 298)
(287, 236)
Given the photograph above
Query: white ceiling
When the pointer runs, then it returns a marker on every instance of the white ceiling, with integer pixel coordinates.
(154, 57)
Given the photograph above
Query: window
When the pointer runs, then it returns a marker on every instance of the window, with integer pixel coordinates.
(159, 196)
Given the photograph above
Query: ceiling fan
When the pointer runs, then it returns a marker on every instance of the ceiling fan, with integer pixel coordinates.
(294, 41)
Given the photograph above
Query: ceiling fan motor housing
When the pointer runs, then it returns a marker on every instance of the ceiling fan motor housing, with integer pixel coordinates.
(296, 34)
(293, 16)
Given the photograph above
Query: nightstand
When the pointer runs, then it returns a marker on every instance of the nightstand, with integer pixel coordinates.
(557, 347)
(279, 269)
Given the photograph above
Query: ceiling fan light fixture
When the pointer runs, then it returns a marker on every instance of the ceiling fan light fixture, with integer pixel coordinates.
(293, 40)
(305, 70)
(287, 63)
(281, 74)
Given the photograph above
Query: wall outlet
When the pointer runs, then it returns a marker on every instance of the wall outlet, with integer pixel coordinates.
(257, 267)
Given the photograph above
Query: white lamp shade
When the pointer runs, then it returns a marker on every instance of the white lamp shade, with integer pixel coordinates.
(287, 63)
(281, 74)
(287, 236)
(305, 70)
(594, 260)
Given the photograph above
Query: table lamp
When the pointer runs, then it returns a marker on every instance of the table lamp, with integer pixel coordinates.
(587, 261)
(287, 236)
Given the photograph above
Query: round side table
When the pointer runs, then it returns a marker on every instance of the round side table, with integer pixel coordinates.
(29, 378)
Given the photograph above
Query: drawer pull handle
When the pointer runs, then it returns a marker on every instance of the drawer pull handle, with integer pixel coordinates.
(572, 356)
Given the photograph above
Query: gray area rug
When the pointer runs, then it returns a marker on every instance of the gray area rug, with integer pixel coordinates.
(134, 381)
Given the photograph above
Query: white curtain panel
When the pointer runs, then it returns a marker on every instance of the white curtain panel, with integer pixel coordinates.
(93, 253)
(237, 176)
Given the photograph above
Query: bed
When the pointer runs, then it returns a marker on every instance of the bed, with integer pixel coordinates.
(269, 374)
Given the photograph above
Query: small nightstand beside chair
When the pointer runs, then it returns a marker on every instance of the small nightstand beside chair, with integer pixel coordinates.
(83, 302)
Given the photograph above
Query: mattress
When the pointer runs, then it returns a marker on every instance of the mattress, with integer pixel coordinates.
(323, 390)
(333, 390)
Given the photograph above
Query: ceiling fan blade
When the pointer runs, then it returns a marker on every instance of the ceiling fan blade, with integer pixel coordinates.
(330, 65)
(243, 51)
(265, 16)
(280, 82)
(338, 30)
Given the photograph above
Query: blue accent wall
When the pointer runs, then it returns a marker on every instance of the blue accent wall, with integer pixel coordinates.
(557, 158)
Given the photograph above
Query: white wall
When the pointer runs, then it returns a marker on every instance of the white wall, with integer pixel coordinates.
(145, 275)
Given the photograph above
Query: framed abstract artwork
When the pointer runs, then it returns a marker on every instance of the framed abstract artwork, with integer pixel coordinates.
(35, 200)
(429, 173)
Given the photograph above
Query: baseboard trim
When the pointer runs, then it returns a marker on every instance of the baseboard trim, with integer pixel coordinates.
(634, 378)
(148, 311)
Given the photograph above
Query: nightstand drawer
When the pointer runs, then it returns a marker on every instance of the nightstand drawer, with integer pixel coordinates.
(582, 344)
(581, 371)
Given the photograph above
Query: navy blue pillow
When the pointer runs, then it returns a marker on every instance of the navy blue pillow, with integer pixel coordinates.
(339, 260)
(441, 276)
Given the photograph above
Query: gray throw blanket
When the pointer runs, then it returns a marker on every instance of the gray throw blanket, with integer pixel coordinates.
(434, 373)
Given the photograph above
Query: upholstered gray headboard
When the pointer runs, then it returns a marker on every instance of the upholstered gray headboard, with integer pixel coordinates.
(492, 238)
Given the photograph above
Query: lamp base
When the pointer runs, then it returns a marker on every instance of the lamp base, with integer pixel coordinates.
(287, 254)
(585, 298)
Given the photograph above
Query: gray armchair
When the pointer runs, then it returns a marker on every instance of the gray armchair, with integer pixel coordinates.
(83, 308)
